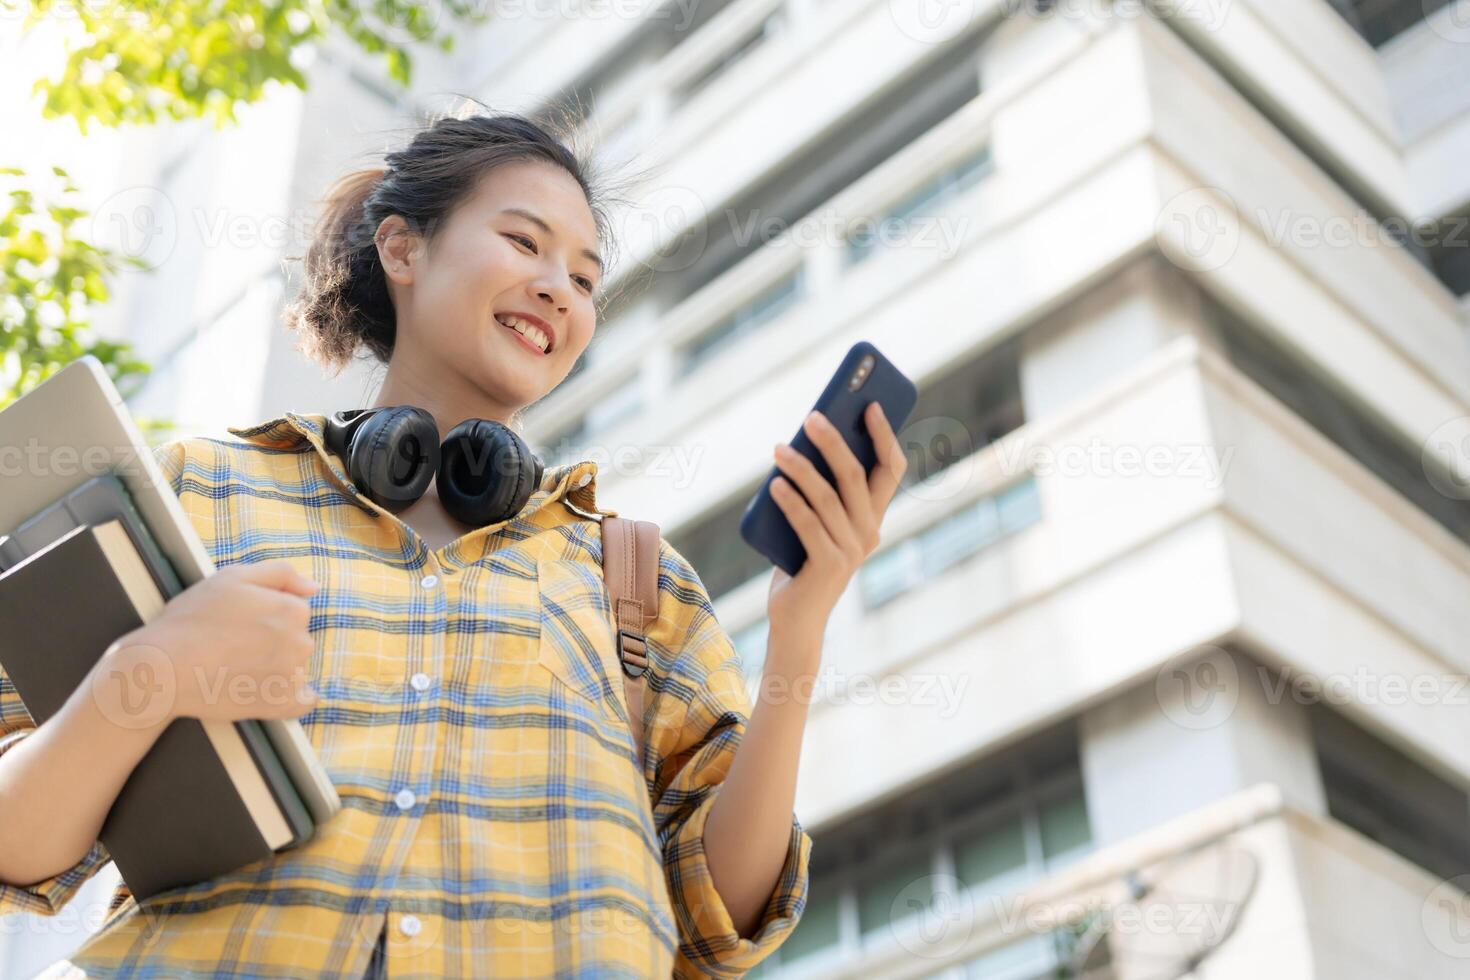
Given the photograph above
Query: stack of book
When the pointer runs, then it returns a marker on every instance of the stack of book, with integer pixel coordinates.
(210, 796)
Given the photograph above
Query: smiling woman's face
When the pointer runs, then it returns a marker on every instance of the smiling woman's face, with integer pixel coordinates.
(493, 257)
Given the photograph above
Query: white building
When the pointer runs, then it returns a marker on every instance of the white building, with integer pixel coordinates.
(1168, 622)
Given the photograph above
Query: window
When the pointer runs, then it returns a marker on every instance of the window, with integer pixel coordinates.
(1339, 416)
(619, 403)
(981, 402)
(933, 551)
(977, 403)
(627, 66)
(922, 204)
(574, 442)
(1451, 256)
(999, 822)
(1380, 21)
(992, 858)
(715, 548)
(786, 293)
(894, 890)
(851, 148)
(1390, 798)
(767, 29)
(820, 927)
(566, 446)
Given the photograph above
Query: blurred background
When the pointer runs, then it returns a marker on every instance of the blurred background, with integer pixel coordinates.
(1160, 668)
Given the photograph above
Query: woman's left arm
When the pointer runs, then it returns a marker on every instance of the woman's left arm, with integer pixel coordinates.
(747, 834)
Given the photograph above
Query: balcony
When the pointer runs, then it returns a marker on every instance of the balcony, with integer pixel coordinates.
(1248, 886)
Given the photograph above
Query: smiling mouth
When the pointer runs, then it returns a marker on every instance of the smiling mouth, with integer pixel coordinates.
(525, 341)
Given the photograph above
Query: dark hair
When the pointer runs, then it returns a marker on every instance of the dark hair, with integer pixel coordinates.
(344, 304)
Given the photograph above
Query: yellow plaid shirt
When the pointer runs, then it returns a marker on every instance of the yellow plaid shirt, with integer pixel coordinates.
(495, 819)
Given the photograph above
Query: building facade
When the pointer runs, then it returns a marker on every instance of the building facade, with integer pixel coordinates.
(1160, 661)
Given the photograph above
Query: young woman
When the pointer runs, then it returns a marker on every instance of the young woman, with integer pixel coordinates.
(459, 683)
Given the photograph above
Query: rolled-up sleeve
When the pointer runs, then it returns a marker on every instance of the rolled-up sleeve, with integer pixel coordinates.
(697, 718)
(49, 896)
(171, 458)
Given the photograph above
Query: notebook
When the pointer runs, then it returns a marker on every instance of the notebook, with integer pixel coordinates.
(73, 427)
(184, 815)
(102, 499)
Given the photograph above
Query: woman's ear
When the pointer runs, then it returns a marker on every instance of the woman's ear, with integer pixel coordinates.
(398, 249)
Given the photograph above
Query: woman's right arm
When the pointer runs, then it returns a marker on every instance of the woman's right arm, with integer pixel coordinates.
(58, 781)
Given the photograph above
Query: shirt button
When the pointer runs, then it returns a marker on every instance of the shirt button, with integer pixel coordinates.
(583, 480)
(404, 799)
(420, 682)
(410, 925)
(429, 581)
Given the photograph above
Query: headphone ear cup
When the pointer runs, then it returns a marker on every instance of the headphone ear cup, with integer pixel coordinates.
(394, 456)
(486, 473)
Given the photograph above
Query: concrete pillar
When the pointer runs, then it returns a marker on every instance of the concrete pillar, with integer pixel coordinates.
(1205, 726)
(1108, 332)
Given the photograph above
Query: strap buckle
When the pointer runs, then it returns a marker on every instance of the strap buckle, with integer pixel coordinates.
(635, 649)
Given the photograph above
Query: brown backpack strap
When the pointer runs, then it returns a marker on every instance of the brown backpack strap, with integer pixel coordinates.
(630, 566)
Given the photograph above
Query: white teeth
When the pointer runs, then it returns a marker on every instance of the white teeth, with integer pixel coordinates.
(534, 334)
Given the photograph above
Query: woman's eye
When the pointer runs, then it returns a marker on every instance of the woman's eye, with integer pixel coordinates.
(586, 283)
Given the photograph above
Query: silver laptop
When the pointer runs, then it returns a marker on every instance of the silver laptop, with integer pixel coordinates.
(74, 426)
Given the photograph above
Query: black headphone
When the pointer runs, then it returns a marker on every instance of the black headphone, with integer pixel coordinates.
(485, 473)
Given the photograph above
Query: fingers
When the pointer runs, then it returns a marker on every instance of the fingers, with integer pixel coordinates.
(277, 574)
(831, 509)
(892, 463)
(804, 521)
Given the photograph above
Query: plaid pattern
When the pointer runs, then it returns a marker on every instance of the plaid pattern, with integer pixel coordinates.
(494, 823)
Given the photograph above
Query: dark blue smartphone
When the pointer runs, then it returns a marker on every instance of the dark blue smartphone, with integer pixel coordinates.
(865, 376)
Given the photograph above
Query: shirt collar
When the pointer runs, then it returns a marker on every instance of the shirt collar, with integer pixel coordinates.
(575, 481)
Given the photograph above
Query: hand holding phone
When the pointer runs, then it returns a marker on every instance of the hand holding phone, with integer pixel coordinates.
(864, 376)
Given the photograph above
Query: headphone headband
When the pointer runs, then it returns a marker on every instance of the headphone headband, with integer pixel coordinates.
(484, 473)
